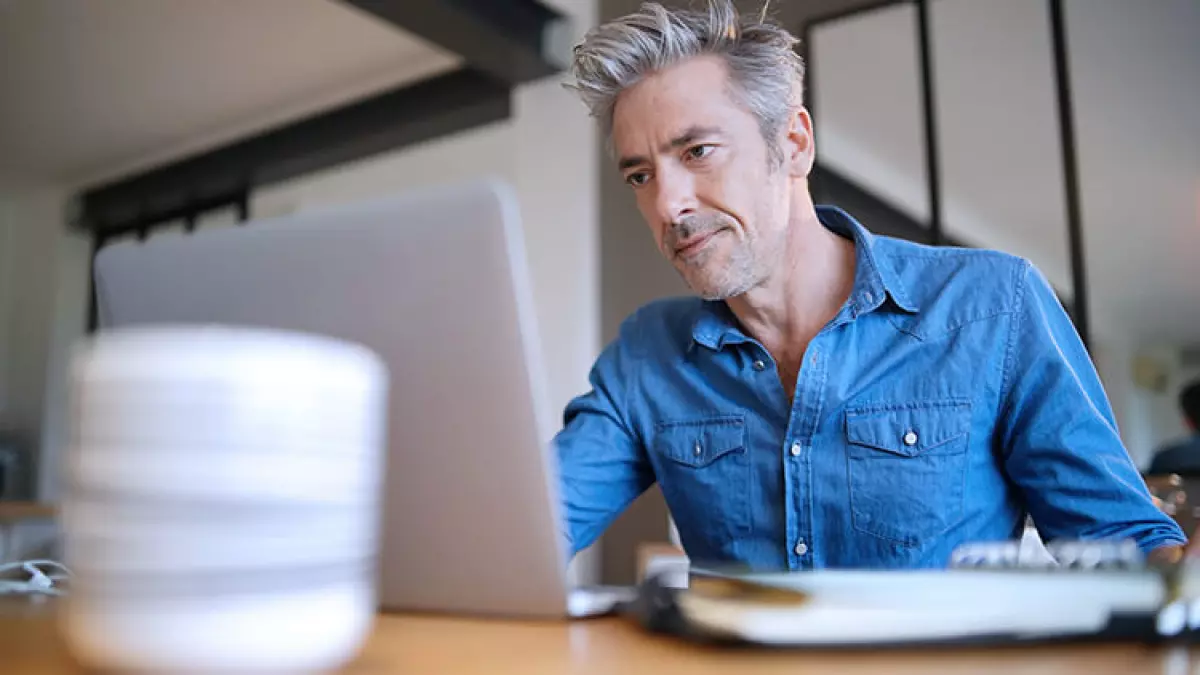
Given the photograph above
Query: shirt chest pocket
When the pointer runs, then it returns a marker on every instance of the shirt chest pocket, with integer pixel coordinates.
(907, 468)
(703, 469)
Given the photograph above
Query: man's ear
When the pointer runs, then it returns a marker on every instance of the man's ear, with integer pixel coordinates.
(801, 152)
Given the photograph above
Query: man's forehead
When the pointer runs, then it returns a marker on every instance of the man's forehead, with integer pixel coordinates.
(699, 80)
(641, 129)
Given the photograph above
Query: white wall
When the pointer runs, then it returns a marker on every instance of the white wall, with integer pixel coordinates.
(6, 280)
(1163, 417)
(1148, 418)
(43, 307)
(68, 325)
(866, 106)
(997, 131)
(34, 228)
(1134, 75)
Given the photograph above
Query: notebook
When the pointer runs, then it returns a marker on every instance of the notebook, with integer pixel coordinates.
(1094, 591)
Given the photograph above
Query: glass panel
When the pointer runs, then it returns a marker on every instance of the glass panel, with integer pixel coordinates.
(866, 103)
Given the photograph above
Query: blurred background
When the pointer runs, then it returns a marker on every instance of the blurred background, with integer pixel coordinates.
(1065, 131)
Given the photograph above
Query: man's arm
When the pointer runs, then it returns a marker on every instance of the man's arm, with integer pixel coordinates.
(601, 461)
(1058, 436)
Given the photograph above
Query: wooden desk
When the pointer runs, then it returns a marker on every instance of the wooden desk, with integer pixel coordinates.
(15, 512)
(416, 644)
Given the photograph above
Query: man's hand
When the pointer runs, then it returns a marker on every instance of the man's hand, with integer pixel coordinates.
(1167, 555)
(1172, 484)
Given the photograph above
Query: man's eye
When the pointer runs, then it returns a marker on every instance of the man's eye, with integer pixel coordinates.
(638, 178)
(699, 151)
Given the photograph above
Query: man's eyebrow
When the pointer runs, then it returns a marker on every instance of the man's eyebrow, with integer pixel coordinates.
(689, 136)
(630, 162)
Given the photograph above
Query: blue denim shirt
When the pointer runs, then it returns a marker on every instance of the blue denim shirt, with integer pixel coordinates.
(949, 397)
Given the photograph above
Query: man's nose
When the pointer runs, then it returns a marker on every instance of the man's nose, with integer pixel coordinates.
(676, 195)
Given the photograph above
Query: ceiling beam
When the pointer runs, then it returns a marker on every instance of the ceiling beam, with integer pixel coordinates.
(429, 109)
(513, 41)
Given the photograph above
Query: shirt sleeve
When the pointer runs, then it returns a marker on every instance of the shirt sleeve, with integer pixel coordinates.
(602, 462)
(1060, 441)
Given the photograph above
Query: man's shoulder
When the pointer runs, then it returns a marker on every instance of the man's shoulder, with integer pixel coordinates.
(660, 322)
(966, 282)
(939, 265)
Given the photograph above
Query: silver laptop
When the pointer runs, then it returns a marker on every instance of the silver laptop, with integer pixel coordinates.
(436, 283)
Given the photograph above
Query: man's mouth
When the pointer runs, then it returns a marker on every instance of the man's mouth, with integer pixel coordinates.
(690, 246)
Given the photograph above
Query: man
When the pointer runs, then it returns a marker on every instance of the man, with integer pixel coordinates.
(832, 398)
(1183, 458)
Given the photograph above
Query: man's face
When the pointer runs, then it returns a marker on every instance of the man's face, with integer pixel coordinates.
(705, 182)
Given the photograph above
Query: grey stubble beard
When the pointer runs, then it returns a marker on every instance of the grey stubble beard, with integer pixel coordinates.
(738, 277)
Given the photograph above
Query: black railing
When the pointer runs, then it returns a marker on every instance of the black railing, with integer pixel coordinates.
(825, 182)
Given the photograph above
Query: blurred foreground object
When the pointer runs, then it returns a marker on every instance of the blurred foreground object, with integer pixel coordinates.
(223, 500)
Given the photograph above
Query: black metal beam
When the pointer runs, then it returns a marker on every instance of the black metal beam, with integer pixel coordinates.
(429, 109)
(929, 109)
(514, 41)
(243, 208)
(1074, 212)
(830, 186)
(881, 217)
(876, 213)
(93, 312)
(865, 7)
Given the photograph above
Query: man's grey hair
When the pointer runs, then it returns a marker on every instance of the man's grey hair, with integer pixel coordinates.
(765, 72)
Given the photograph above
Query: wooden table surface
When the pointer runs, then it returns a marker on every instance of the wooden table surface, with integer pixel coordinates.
(17, 511)
(29, 645)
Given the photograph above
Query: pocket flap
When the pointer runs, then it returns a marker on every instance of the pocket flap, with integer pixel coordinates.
(699, 443)
(908, 430)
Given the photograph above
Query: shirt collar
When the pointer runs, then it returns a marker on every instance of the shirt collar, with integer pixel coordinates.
(716, 326)
(874, 278)
(874, 282)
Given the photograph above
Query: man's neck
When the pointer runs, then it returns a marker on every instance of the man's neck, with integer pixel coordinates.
(809, 289)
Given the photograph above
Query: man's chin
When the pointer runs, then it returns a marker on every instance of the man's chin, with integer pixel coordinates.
(718, 289)
(713, 296)
(715, 280)
(710, 290)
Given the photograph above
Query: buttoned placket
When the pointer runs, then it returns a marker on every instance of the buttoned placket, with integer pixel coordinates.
(798, 468)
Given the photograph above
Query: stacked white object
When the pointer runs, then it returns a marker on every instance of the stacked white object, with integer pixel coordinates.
(223, 503)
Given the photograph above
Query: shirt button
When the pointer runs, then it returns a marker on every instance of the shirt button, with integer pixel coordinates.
(760, 366)
(698, 449)
(910, 439)
(801, 548)
(868, 297)
(797, 449)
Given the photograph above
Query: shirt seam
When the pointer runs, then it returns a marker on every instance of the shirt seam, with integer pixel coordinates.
(627, 342)
(631, 376)
(945, 252)
(953, 327)
(1009, 351)
(1159, 541)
